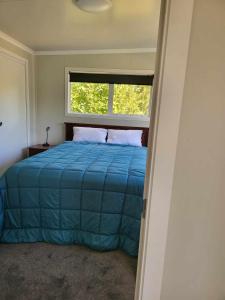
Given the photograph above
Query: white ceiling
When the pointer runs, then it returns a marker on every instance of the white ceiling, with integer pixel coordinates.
(59, 25)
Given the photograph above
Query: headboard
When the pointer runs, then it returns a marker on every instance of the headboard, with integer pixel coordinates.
(69, 130)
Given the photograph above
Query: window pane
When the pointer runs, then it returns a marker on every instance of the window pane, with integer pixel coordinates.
(131, 99)
(89, 98)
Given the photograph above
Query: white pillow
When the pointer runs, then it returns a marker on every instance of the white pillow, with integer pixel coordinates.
(89, 134)
(125, 137)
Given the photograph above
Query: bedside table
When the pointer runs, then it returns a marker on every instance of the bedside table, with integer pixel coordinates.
(33, 150)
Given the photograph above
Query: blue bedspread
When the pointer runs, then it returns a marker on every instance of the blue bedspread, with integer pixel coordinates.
(76, 193)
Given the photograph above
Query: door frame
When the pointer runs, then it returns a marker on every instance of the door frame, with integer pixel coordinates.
(172, 59)
(23, 61)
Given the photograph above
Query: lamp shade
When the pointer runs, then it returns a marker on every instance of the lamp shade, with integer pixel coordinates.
(93, 6)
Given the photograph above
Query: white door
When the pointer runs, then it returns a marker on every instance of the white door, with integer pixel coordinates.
(13, 119)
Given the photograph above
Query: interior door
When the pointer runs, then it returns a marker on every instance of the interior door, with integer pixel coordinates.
(13, 119)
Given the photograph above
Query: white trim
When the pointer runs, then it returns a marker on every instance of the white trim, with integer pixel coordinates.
(13, 56)
(96, 51)
(167, 98)
(24, 62)
(121, 117)
(14, 42)
(33, 100)
(28, 110)
(67, 90)
(110, 99)
(110, 117)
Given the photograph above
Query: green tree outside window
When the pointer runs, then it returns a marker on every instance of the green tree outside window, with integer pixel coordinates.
(93, 98)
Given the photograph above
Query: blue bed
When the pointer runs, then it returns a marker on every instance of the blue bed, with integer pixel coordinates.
(75, 193)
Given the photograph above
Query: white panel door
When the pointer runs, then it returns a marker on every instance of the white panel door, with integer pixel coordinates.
(13, 131)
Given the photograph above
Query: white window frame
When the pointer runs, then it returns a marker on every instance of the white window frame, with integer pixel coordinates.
(110, 115)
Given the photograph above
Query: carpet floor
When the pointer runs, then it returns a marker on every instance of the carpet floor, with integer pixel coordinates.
(52, 272)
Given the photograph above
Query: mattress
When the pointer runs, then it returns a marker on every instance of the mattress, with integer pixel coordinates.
(75, 193)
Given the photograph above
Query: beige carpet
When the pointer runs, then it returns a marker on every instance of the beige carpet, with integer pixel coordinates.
(52, 272)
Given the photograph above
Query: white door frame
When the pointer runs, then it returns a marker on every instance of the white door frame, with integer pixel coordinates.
(172, 58)
(24, 62)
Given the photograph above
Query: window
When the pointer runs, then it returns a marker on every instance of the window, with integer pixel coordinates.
(109, 94)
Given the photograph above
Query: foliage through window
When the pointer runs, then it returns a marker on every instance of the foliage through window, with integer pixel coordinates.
(131, 99)
(109, 94)
(89, 98)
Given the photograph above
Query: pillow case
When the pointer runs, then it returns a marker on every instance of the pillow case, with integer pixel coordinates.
(125, 137)
(89, 134)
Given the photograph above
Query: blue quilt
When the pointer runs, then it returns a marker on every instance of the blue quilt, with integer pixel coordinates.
(75, 193)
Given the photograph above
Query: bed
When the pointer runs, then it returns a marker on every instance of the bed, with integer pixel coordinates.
(76, 193)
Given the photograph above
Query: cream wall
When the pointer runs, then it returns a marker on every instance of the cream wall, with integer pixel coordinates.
(31, 66)
(195, 254)
(50, 83)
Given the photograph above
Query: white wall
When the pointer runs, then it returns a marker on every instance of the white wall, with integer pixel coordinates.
(50, 73)
(195, 254)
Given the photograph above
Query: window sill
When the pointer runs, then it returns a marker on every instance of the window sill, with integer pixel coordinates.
(109, 117)
(113, 118)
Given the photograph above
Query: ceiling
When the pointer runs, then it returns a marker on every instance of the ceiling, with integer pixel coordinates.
(59, 25)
